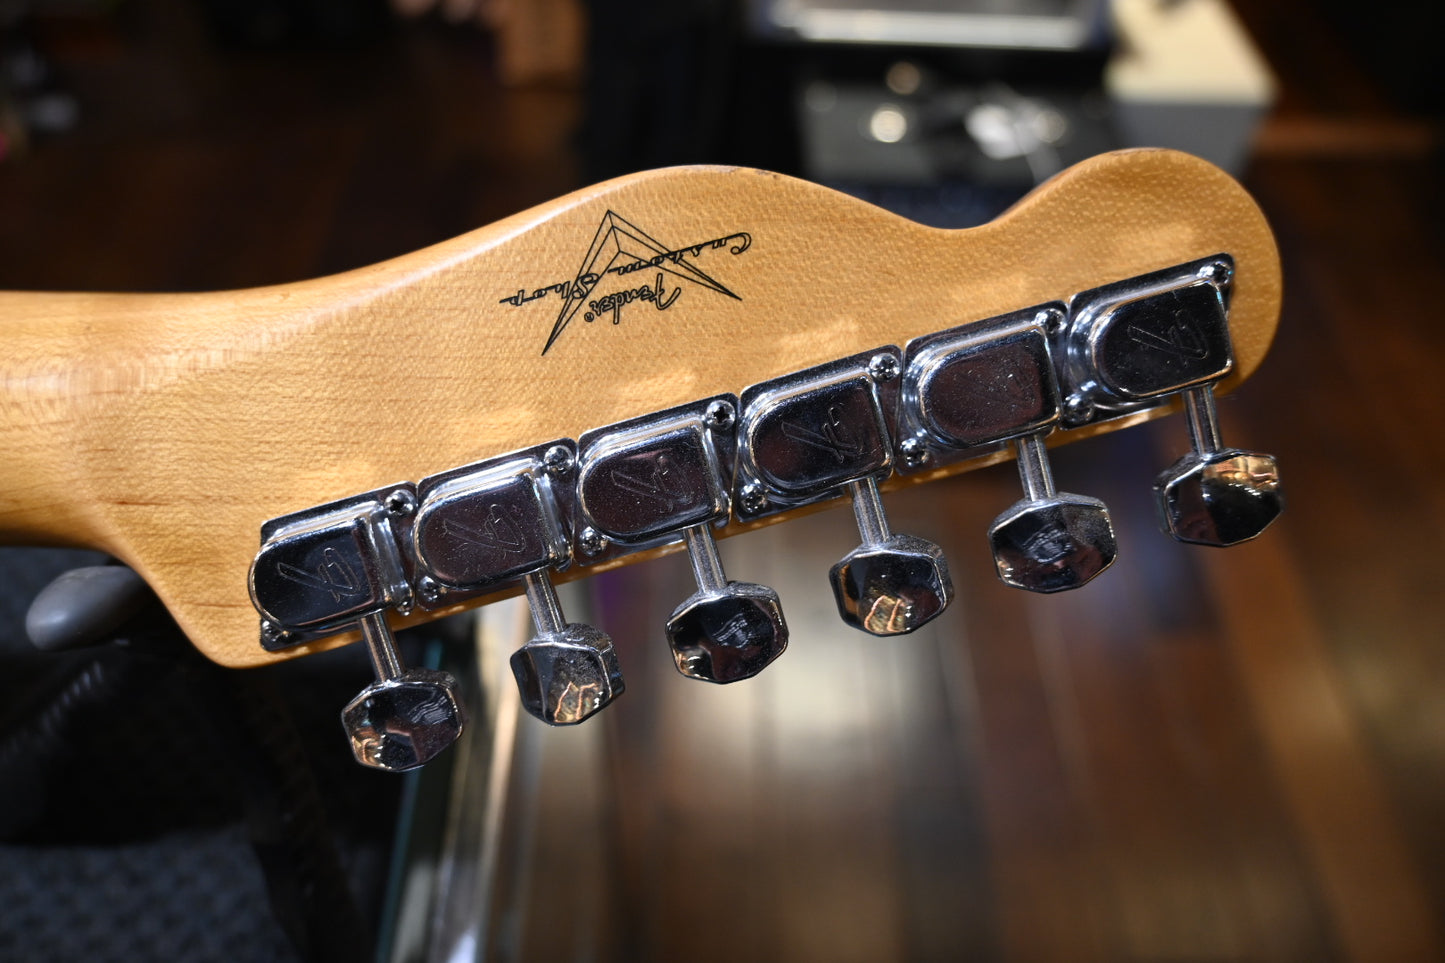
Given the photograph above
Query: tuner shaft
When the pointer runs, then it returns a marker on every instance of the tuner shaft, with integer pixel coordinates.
(868, 510)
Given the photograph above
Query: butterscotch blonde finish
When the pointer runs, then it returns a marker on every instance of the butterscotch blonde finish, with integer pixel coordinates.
(164, 429)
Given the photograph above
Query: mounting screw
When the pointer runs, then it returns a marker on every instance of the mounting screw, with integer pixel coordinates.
(429, 589)
(1217, 273)
(752, 497)
(1077, 409)
(719, 416)
(883, 367)
(400, 502)
(592, 541)
(913, 451)
(1051, 320)
(272, 634)
(559, 460)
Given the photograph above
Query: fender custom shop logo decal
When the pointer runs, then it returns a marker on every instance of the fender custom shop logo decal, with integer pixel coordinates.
(625, 266)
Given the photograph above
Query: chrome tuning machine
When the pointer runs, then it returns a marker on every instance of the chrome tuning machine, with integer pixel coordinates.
(645, 481)
(1129, 345)
(339, 566)
(809, 436)
(490, 524)
(970, 389)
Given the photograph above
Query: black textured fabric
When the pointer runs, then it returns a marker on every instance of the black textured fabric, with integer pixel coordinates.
(189, 894)
(154, 806)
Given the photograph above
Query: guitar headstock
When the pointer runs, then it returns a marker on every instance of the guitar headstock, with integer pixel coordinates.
(700, 302)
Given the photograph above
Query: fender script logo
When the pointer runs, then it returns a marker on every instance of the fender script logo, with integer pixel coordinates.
(620, 247)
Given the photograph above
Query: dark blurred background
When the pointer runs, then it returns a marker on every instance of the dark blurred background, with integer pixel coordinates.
(1203, 756)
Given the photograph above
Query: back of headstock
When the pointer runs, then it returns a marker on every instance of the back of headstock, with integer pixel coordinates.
(689, 307)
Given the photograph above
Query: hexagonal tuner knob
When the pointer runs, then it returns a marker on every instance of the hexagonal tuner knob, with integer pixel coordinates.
(402, 723)
(725, 631)
(569, 671)
(405, 718)
(890, 584)
(1050, 541)
(893, 586)
(1214, 495)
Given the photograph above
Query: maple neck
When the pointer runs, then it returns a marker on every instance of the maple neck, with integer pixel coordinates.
(76, 367)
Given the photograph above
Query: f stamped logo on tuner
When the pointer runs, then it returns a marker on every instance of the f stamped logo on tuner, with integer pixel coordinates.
(333, 576)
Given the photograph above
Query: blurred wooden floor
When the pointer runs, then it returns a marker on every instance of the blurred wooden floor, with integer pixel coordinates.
(1205, 755)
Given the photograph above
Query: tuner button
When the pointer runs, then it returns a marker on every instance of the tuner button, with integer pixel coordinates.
(1213, 495)
(569, 671)
(402, 723)
(893, 586)
(407, 716)
(725, 631)
(890, 584)
(1050, 541)
(727, 635)
(565, 677)
(1052, 544)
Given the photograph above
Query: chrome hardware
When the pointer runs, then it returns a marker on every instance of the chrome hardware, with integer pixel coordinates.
(1215, 495)
(720, 414)
(337, 566)
(1128, 344)
(559, 459)
(319, 571)
(641, 482)
(969, 389)
(890, 584)
(1049, 541)
(489, 524)
(569, 670)
(591, 541)
(803, 437)
(652, 478)
(725, 631)
(795, 440)
(810, 435)
(883, 366)
(407, 716)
